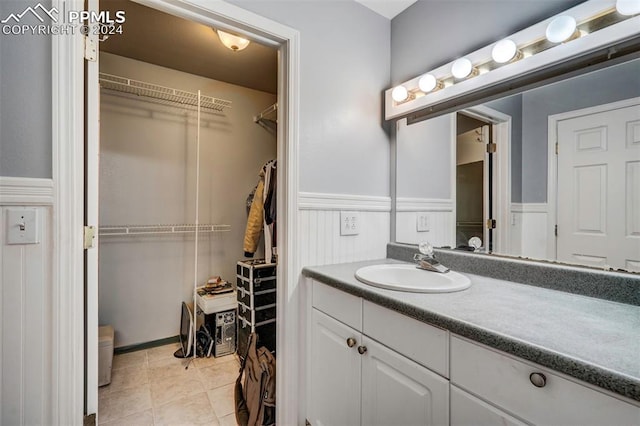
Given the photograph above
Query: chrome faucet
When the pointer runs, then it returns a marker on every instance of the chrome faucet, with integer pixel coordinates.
(426, 260)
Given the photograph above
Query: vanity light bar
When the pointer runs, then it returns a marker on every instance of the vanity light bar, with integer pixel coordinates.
(502, 60)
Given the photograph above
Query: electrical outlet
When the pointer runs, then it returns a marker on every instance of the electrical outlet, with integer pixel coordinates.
(349, 223)
(422, 222)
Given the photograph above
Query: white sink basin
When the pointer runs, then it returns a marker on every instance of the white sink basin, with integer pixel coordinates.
(412, 279)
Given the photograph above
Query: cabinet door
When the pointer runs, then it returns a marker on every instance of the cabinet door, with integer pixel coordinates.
(398, 391)
(335, 373)
(467, 410)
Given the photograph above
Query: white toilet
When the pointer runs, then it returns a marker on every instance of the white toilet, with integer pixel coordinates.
(105, 354)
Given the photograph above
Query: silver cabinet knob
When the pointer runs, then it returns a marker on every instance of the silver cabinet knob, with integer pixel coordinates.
(351, 342)
(362, 349)
(538, 380)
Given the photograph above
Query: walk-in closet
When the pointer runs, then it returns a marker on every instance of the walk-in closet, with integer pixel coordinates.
(187, 147)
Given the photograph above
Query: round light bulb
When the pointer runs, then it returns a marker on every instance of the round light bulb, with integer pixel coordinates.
(399, 93)
(427, 83)
(461, 68)
(504, 51)
(628, 7)
(561, 28)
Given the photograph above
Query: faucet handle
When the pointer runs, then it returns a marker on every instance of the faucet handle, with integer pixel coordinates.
(426, 248)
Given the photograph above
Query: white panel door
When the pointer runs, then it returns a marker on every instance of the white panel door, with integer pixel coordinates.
(335, 373)
(397, 391)
(598, 194)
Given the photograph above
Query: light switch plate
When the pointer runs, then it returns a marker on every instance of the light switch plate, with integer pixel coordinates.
(349, 223)
(22, 226)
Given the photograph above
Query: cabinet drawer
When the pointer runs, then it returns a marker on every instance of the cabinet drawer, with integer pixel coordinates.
(340, 305)
(505, 381)
(467, 410)
(423, 343)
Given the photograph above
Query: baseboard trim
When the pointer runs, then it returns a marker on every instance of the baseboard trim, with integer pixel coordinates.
(26, 191)
(322, 201)
(146, 345)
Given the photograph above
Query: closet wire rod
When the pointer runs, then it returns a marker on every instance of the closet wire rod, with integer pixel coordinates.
(161, 229)
(154, 91)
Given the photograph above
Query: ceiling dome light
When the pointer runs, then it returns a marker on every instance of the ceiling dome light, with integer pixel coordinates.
(628, 7)
(504, 51)
(462, 68)
(399, 93)
(232, 42)
(429, 83)
(561, 29)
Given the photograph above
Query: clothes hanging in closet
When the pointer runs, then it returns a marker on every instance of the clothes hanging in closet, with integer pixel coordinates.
(262, 214)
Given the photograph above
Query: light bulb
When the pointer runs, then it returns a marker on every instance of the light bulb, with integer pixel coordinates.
(628, 7)
(232, 42)
(561, 29)
(428, 83)
(399, 93)
(504, 51)
(461, 68)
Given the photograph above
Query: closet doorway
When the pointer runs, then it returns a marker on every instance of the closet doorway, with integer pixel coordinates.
(175, 172)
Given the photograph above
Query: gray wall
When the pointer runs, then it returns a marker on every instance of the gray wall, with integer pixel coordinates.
(344, 68)
(25, 99)
(431, 33)
(530, 112)
(605, 86)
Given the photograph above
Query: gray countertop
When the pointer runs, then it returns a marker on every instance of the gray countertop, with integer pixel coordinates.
(591, 339)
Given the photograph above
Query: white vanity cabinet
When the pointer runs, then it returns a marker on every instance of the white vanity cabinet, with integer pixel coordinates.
(528, 391)
(356, 380)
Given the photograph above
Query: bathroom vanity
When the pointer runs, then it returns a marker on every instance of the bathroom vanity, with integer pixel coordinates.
(498, 352)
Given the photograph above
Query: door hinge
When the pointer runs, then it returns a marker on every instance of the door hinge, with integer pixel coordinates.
(90, 49)
(491, 224)
(491, 148)
(556, 148)
(556, 230)
(89, 237)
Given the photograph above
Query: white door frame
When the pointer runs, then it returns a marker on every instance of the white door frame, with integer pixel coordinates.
(68, 174)
(552, 163)
(501, 123)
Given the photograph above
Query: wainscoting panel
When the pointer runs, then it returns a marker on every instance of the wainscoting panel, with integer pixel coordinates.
(529, 230)
(440, 221)
(319, 227)
(26, 319)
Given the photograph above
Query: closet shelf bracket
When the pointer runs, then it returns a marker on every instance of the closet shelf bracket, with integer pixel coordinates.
(265, 113)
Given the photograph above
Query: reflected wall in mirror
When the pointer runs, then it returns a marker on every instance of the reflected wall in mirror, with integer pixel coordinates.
(453, 183)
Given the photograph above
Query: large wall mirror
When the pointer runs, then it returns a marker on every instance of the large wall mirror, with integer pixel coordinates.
(550, 173)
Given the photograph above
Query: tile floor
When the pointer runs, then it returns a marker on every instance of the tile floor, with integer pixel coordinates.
(152, 387)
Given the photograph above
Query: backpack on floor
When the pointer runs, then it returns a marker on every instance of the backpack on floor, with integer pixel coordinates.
(255, 396)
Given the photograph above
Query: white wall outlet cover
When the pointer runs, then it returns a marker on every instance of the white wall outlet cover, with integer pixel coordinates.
(349, 223)
(22, 226)
(422, 222)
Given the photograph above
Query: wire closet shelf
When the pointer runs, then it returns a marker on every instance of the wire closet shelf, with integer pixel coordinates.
(161, 93)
